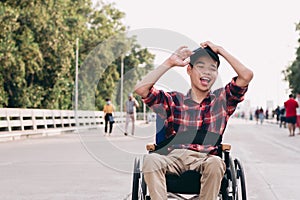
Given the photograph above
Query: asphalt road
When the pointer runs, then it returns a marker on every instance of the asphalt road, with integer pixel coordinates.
(89, 165)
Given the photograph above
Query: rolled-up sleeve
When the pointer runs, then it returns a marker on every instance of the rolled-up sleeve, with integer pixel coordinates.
(159, 101)
(151, 97)
(234, 95)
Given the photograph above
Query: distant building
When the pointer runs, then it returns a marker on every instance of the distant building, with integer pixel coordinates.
(270, 105)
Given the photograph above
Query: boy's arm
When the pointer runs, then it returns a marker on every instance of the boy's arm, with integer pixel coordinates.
(245, 75)
(176, 59)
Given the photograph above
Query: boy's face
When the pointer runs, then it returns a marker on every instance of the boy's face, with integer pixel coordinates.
(203, 74)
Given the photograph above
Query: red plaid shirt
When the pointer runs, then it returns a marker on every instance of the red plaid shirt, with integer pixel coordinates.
(183, 114)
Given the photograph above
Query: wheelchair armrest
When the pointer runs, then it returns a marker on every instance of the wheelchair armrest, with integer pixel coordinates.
(150, 147)
(226, 147)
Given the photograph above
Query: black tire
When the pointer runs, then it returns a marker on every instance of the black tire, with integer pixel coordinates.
(144, 188)
(240, 174)
(135, 180)
(229, 182)
(233, 179)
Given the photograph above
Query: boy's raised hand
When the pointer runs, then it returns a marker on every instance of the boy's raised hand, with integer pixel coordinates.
(180, 57)
(214, 47)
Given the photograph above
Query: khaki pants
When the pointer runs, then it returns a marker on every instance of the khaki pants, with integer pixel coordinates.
(211, 167)
(132, 118)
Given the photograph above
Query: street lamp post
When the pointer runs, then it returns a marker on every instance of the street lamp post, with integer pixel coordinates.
(76, 82)
(144, 112)
(142, 65)
(122, 82)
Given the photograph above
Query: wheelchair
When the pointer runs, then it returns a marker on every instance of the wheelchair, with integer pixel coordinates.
(233, 185)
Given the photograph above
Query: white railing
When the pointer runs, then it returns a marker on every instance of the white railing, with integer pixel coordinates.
(17, 123)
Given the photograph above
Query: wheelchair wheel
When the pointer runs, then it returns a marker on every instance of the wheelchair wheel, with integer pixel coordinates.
(240, 174)
(144, 188)
(232, 186)
(233, 180)
(136, 180)
(229, 183)
(139, 187)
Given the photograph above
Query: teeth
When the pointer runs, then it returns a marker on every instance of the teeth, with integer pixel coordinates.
(204, 78)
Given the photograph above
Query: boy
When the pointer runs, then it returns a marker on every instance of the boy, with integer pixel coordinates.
(200, 109)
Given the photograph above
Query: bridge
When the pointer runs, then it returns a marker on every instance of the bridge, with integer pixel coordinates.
(85, 164)
(18, 123)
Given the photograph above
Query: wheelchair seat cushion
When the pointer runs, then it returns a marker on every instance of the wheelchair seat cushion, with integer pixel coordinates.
(187, 183)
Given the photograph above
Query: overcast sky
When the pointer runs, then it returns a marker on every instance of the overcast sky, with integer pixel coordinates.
(261, 34)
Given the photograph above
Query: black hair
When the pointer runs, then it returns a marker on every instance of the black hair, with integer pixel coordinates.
(207, 51)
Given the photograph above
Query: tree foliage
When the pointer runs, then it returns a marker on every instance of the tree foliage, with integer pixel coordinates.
(37, 53)
(292, 73)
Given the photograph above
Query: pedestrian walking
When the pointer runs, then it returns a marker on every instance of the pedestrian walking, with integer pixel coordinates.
(108, 116)
(282, 117)
(261, 115)
(130, 107)
(298, 113)
(291, 115)
(256, 115)
(277, 113)
(267, 114)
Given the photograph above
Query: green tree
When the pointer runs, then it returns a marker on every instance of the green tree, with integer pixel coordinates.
(292, 73)
(8, 50)
(39, 75)
(37, 52)
(138, 63)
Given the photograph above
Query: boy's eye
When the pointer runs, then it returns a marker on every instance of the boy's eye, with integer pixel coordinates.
(200, 66)
(213, 69)
(203, 67)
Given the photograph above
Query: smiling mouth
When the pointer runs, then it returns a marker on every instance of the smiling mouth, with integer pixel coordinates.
(205, 80)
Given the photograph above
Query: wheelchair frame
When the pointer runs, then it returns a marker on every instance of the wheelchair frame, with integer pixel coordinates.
(233, 186)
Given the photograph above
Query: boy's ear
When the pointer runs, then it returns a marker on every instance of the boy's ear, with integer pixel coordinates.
(189, 69)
